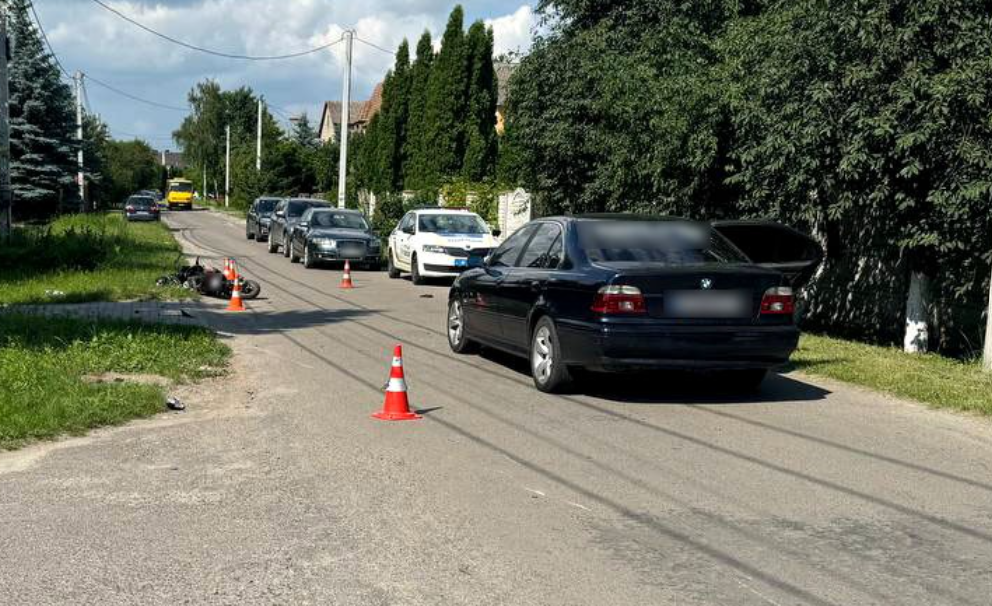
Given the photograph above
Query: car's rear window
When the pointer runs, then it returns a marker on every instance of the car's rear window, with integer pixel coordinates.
(140, 202)
(451, 224)
(266, 206)
(664, 242)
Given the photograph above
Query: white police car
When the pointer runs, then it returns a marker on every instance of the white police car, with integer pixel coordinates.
(438, 243)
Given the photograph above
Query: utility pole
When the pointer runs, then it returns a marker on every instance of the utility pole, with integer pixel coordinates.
(258, 146)
(227, 169)
(80, 178)
(204, 191)
(345, 119)
(6, 193)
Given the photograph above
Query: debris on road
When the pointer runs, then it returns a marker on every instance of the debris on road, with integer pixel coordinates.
(174, 403)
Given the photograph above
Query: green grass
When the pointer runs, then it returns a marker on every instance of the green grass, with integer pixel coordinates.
(930, 379)
(97, 257)
(43, 362)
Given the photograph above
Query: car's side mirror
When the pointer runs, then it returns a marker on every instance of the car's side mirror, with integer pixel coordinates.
(304, 224)
(496, 233)
(280, 214)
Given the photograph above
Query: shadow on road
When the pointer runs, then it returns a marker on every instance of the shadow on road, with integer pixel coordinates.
(673, 387)
(263, 322)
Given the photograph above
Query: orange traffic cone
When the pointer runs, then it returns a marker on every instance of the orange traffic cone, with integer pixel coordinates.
(236, 303)
(346, 278)
(227, 269)
(234, 271)
(396, 406)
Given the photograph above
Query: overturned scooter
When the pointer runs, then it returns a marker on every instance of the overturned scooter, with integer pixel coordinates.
(209, 281)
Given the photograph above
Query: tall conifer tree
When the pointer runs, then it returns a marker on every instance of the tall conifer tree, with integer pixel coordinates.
(42, 121)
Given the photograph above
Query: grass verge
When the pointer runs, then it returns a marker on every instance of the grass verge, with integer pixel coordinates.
(43, 362)
(93, 257)
(930, 379)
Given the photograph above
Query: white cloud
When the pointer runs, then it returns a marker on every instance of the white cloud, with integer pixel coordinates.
(95, 41)
(513, 32)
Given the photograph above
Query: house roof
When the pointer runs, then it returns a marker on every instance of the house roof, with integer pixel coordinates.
(503, 72)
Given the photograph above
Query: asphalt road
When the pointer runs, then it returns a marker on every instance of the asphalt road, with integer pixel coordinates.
(276, 486)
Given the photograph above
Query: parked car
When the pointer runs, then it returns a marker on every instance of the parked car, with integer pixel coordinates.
(141, 208)
(259, 217)
(286, 214)
(332, 234)
(438, 243)
(627, 292)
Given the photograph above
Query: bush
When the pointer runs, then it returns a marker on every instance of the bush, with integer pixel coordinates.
(70, 243)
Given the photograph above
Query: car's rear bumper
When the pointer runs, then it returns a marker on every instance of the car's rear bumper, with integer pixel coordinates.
(142, 217)
(638, 347)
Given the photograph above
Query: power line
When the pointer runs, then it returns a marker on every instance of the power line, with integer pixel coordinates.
(137, 136)
(136, 98)
(376, 46)
(209, 51)
(44, 37)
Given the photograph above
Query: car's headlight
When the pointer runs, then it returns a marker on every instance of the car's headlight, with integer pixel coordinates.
(325, 242)
(433, 248)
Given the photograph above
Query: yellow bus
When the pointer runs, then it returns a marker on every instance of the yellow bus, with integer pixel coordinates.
(179, 194)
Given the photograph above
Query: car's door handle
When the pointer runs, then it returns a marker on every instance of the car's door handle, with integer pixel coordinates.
(535, 285)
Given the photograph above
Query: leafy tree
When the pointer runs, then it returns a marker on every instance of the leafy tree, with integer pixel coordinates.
(42, 121)
(445, 110)
(202, 133)
(130, 166)
(416, 148)
(480, 120)
(96, 135)
(616, 108)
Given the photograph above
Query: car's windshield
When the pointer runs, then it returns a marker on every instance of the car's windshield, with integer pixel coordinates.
(452, 224)
(265, 205)
(665, 242)
(142, 201)
(181, 187)
(295, 208)
(328, 218)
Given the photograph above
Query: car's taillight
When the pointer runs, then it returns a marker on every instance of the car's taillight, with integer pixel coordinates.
(619, 299)
(778, 300)
(129, 209)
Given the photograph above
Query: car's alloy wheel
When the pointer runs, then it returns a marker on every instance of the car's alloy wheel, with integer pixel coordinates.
(293, 257)
(391, 267)
(273, 247)
(248, 233)
(457, 339)
(415, 276)
(549, 373)
(307, 259)
(285, 245)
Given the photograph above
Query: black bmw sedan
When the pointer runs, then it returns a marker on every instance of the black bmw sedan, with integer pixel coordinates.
(628, 292)
(334, 234)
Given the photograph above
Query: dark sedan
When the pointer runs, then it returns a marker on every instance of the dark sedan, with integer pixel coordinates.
(287, 213)
(625, 292)
(141, 208)
(259, 217)
(332, 234)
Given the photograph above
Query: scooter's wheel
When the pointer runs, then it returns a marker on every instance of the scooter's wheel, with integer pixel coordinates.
(250, 289)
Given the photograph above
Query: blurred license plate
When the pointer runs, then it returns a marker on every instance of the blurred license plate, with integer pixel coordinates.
(706, 304)
(352, 251)
(461, 262)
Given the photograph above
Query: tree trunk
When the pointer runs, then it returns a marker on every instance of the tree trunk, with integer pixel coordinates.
(917, 334)
(987, 357)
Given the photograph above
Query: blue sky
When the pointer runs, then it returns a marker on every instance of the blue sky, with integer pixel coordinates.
(92, 40)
